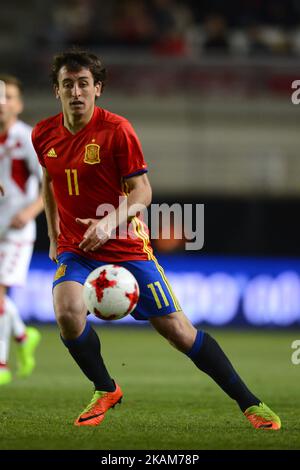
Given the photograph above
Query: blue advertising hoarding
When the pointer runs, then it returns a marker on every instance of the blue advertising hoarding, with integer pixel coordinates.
(215, 291)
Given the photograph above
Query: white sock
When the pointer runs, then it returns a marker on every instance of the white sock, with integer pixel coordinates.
(17, 325)
(5, 333)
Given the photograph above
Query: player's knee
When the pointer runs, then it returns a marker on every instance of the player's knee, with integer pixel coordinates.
(180, 339)
(179, 342)
(69, 316)
(64, 318)
(177, 329)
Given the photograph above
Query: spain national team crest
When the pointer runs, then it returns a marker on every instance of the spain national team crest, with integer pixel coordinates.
(92, 154)
(60, 272)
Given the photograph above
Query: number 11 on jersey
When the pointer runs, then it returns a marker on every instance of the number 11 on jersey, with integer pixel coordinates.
(73, 187)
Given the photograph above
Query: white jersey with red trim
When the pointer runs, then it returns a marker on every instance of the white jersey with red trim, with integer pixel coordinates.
(20, 174)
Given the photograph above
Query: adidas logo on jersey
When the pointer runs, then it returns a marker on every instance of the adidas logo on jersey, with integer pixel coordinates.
(52, 153)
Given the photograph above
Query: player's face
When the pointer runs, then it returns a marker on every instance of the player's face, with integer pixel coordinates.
(11, 106)
(77, 91)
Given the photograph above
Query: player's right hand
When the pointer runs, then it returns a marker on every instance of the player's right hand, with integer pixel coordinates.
(97, 233)
(53, 250)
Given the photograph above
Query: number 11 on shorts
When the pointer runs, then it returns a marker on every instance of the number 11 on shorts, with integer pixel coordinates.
(154, 287)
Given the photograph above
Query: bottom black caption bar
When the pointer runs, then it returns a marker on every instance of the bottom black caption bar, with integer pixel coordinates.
(134, 458)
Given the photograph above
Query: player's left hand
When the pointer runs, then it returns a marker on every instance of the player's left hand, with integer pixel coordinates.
(96, 235)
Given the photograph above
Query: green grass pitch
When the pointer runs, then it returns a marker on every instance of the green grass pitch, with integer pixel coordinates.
(168, 403)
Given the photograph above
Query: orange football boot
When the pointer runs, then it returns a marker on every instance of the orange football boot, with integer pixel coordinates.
(101, 402)
(262, 417)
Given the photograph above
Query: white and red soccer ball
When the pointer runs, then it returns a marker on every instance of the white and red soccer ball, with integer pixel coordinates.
(111, 292)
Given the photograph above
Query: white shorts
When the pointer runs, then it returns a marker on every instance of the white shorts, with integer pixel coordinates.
(14, 262)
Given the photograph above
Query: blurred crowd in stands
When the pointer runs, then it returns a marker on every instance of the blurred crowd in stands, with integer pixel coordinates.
(177, 27)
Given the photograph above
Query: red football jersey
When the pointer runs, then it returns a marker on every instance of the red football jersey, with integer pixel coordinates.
(89, 169)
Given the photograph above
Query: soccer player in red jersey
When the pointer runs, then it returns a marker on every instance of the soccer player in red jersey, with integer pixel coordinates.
(90, 156)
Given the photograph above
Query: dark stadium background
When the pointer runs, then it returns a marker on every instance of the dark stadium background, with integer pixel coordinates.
(208, 87)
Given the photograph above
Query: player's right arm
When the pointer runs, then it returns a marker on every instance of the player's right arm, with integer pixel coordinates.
(51, 213)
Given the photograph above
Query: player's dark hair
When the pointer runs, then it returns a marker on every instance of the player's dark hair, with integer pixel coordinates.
(76, 59)
(12, 80)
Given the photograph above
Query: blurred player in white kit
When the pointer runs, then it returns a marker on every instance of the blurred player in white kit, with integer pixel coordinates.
(20, 203)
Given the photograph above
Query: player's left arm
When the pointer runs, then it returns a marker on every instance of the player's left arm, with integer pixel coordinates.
(99, 231)
(30, 212)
